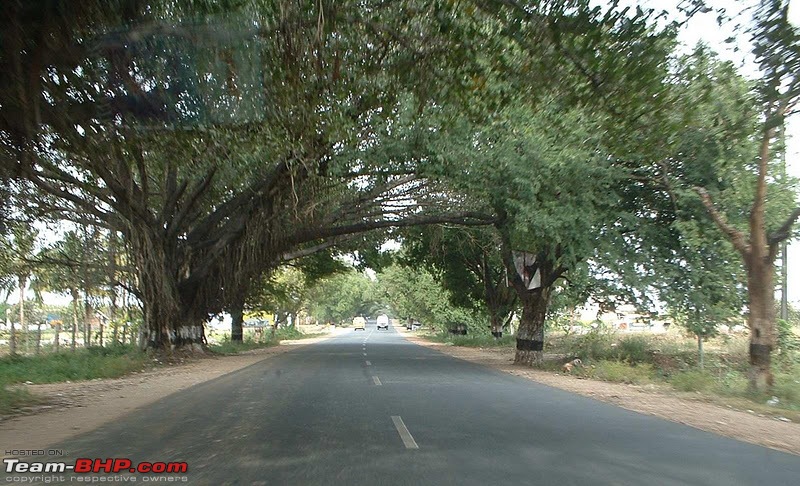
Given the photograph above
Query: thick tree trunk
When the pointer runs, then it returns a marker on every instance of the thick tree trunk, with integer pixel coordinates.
(530, 335)
(761, 320)
(496, 323)
(171, 320)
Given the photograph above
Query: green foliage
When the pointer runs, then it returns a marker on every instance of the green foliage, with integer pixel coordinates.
(671, 359)
(591, 346)
(343, 296)
(413, 293)
(83, 364)
(633, 350)
(788, 340)
(227, 347)
(475, 340)
(466, 262)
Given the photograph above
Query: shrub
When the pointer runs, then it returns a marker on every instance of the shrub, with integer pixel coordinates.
(592, 346)
(633, 349)
(788, 341)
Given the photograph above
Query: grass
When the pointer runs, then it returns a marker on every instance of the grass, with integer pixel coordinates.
(668, 359)
(227, 347)
(14, 398)
(83, 364)
(473, 340)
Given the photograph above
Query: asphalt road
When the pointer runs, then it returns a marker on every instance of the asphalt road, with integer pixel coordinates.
(368, 407)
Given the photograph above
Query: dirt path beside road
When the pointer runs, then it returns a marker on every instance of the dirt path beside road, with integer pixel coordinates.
(68, 409)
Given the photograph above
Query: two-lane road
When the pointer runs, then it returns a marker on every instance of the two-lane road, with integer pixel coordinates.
(368, 407)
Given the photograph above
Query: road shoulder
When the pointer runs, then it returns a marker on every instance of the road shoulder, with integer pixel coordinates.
(649, 400)
(68, 409)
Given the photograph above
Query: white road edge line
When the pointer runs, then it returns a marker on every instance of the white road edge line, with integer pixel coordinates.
(408, 439)
(368, 363)
(377, 381)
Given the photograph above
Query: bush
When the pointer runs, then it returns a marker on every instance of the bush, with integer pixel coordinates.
(592, 346)
(633, 350)
(788, 341)
(787, 387)
(481, 341)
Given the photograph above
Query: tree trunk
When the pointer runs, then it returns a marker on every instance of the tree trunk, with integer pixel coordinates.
(23, 282)
(496, 325)
(12, 338)
(530, 335)
(38, 338)
(237, 320)
(57, 339)
(74, 292)
(87, 326)
(761, 320)
(112, 318)
(700, 350)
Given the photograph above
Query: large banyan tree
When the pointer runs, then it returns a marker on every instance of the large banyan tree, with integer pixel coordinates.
(217, 140)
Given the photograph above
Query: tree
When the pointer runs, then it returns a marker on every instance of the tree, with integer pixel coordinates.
(212, 150)
(68, 268)
(413, 293)
(339, 298)
(19, 251)
(776, 46)
(466, 262)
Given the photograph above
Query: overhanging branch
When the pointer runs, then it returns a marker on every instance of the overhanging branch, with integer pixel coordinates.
(736, 237)
(785, 231)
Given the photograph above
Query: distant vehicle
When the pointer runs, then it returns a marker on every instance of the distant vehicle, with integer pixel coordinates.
(383, 322)
(359, 323)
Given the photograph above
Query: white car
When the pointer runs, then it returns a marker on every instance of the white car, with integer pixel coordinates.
(383, 322)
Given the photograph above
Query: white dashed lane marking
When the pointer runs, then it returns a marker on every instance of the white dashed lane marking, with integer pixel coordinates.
(408, 439)
(377, 381)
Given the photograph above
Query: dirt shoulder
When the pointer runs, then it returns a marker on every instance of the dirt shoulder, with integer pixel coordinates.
(651, 400)
(67, 409)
